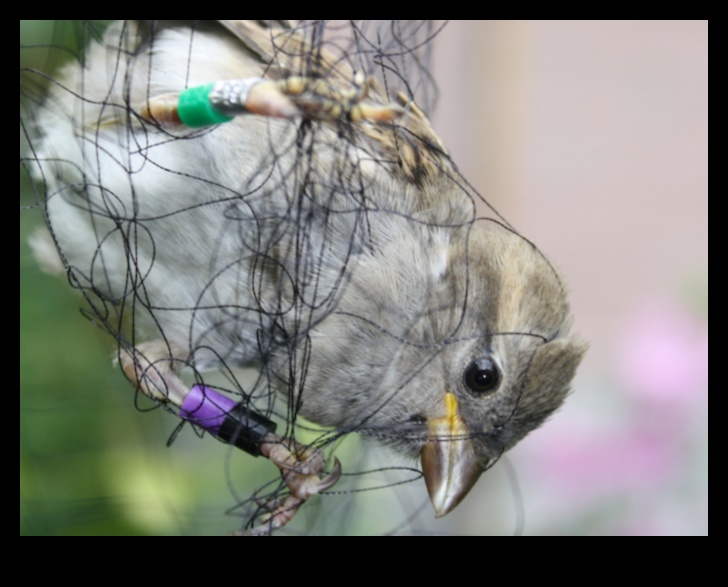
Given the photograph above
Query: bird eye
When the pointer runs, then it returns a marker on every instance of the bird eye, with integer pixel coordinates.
(482, 376)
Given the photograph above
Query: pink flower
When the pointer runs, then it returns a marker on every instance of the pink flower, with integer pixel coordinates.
(591, 464)
(663, 355)
(634, 438)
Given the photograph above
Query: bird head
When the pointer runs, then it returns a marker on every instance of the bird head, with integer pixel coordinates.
(449, 345)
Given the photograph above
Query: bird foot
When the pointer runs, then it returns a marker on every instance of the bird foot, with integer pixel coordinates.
(152, 367)
(316, 98)
(303, 472)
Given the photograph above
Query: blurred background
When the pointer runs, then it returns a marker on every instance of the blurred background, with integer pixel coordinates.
(591, 138)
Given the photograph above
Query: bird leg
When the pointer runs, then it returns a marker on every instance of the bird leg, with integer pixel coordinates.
(153, 370)
(289, 97)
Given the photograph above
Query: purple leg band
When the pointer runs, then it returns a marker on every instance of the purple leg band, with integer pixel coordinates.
(207, 408)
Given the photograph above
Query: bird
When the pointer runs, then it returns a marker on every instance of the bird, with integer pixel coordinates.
(230, 194)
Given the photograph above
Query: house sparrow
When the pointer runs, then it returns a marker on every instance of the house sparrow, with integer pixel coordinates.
(238, 194)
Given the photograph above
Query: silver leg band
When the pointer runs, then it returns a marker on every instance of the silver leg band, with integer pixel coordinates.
(229, 96)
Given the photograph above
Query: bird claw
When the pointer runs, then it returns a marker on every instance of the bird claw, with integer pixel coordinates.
(318, 99)
(301, 468)
(305, 485)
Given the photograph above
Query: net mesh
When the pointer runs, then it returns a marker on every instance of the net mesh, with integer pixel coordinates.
(247, 256)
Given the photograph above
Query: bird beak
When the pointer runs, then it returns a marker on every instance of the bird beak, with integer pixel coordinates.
(448, 458)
